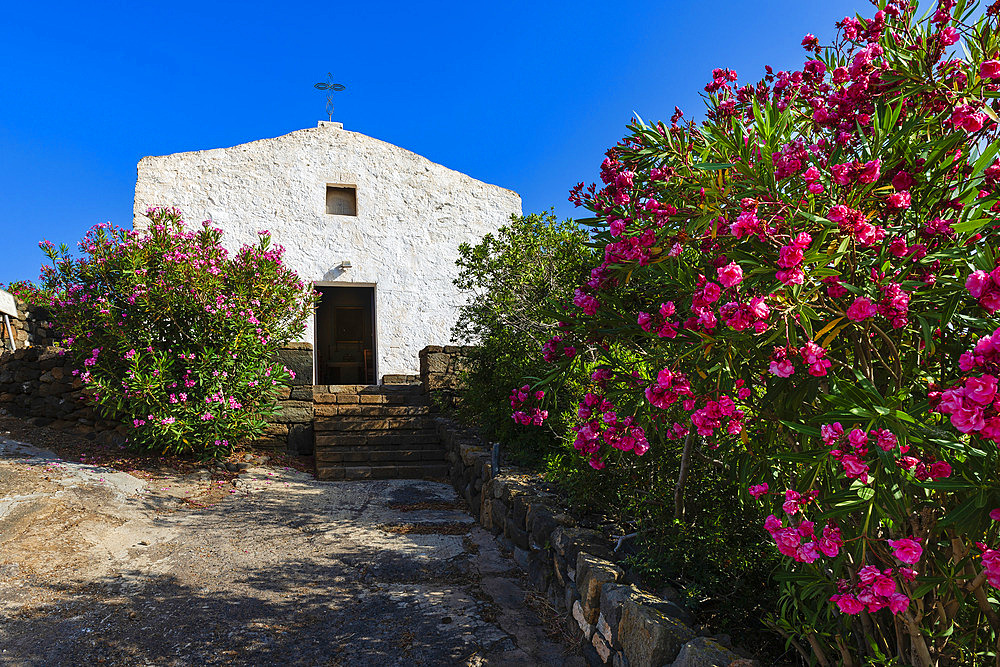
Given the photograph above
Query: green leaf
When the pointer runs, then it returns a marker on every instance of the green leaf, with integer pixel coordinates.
(801, 428)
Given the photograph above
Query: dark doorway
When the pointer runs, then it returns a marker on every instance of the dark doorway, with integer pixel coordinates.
(345, 335)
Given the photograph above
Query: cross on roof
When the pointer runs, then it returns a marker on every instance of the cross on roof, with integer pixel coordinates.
(332, 87)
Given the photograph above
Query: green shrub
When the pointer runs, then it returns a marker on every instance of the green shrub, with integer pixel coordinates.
(510, 279)
(172, 336)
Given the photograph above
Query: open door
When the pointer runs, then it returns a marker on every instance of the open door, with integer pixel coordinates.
(345, 335)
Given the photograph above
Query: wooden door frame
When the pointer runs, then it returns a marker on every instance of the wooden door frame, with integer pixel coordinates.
(338, 283)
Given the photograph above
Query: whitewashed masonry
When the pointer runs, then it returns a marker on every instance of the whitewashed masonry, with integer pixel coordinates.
(410, 216)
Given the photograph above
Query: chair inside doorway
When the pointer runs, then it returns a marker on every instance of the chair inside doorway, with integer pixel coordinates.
(345, 335)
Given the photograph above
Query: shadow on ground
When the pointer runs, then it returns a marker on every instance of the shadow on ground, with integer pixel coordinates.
(287, 571)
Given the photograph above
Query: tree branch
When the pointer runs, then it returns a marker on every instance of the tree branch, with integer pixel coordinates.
(682, 476)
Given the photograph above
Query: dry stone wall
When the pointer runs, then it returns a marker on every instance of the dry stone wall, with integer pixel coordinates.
(37, 383)
(291, 430)
(440, 372)
(32, 326)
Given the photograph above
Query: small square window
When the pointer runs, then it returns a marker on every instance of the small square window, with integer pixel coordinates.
(341, 200)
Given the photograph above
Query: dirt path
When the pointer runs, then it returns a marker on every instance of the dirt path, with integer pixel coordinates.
(99, 567)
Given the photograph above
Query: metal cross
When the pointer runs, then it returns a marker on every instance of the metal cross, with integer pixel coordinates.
(330, 86)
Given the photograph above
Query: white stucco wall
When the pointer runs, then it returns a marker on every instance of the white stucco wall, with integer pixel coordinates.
(412, 215)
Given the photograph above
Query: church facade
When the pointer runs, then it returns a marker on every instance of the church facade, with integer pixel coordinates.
(375, 228)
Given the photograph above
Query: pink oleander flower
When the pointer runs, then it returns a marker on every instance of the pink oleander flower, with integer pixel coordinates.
(730, 275)
(783, 368)
(898, 201)
(977, 282)
(869, 172)
(906, 550)
(898, 603)
(885, 440)
(758, 490)
(982, 389)
(861, 309)
(790, 256)
(855, 468)
(848, 604)
(792, 503)
(830, 433)
(939, 470)
(902, 181)
(883, 585)
(792, 276)
(990, 69)
(831, 541)
(991, 563)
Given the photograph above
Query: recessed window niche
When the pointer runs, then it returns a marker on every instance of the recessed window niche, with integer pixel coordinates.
(342, 200)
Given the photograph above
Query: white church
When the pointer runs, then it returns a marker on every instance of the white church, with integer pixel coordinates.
(374, 227)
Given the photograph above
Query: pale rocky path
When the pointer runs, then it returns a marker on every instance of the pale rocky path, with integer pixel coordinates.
(103, 568)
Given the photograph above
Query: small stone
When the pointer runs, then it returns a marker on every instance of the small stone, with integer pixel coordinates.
(521, 557)
(585, 627)
(604, 629)
(601, 646)
(612, 597)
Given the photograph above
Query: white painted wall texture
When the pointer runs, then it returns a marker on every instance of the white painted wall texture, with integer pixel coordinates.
(411, 216)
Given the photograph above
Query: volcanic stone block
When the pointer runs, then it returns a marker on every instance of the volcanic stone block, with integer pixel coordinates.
(591, 574)
(704, 652)
(293, 412)
(298, 358)
(649, 637)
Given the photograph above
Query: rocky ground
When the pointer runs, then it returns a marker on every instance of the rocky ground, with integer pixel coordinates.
(99, 566)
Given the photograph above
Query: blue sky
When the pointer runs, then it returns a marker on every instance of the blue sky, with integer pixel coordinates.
(527, 95)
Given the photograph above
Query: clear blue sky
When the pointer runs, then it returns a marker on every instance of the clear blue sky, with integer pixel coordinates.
(526, 95)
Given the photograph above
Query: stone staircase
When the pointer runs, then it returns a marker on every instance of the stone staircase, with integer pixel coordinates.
(376, 432)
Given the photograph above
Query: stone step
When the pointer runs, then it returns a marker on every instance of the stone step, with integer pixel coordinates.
(386, 456)
(401, 379)
(323, 410)
(348, 423)
(400, 446)
(388, 398)
(389, 471)
(401, 437)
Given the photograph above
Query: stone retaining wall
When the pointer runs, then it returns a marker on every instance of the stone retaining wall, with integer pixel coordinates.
(37, 383)
(440, 373)
(32, 326)
(617, 623)
(291, 430)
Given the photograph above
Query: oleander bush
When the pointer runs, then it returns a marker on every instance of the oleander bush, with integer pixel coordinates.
(173, 336)
(803, 287)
